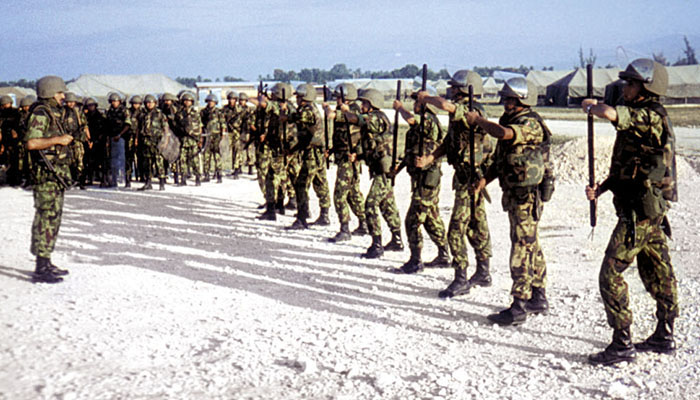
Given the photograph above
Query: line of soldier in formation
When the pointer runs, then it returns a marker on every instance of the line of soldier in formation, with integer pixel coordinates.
(292, 152)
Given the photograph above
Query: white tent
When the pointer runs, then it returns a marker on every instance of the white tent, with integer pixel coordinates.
(101, 85)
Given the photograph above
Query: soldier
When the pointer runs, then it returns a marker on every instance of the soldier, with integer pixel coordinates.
(9, 139)
(232, 114)
(169, 107)
(98, 163)
(25, 168)
(347, 181)
(213, 122)
(642, 179)
(425, 185)
(75, 124)
(310, 144)
(190, 126)
(456, 147)
(48, 144)
(247, 117)
(130, 145)
(263, 156)
(153, 124)
(118, 124)
(519, 164)
(376, 151)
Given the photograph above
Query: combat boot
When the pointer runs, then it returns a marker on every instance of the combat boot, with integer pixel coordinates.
(43, 272)
(538, 302)
(183, 181)
(279, 205)
(218, 177)
(343, 235)
(146, 186)
(197, 182)
(323, 219)
(481, 276)
(412, 266)
(514, 315)
(361, 228)
(269, 214)
(56, 270)
(250, 170)
(161, 184)
(661, 341)
(375, 250)
(206, 177)
(176, 178)
(291, 204)
(621, 349)
(127, 182)
(395, 244)
(299, 224)
(458, 286)
(441, 261)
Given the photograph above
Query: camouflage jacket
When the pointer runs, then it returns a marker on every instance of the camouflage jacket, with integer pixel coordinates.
(45, 122)
(74, 122)
(9, 125)
(136, 115)
(431, 140)
(153, 124)
(376, 142)
(274, 129)
(309, 124)
(341, 147)
(189, 122)
(213, 120)
(116, 119)
(457, 143)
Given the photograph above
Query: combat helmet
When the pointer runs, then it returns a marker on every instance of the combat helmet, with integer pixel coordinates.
(463, 78)
(280, 94)
(213, 98)
(374, 97)
(169, 96)
(136, 99)
(48, 86)
(417, 86)
(349, 91)
(653, 75)
(521, 89)
(243, 97)
(5, 99)
(90, 102)
(231, 95)
(114, 97)
(70, 96)
(149, 99)
(187, 96)
(27, 101)
(306, 91)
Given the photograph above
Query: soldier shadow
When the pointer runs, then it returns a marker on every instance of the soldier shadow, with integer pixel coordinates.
(14, 273)
(210, 240)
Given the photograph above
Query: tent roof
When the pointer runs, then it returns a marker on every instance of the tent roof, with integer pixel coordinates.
(491, 86)
(683, 81)
(101, 85)
(542, 79)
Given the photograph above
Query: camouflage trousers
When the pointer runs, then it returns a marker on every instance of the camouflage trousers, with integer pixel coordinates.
(263, 157)
(152, 161)
(424, 210)
(347, 192)
(78, 162)
(189, 159)
(235, 146)
(461, 228)
(129, 156)
(380, 199)
(654, 265)
(245, 156)
(275, 180)
(312, 172)
(213, 154)
(527, 264)
(48, 206)
(293, 170)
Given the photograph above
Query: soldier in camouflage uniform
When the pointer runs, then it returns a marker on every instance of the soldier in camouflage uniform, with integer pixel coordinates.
(169, 106)
(347, 182)
(98, 164)
(232, 114)
(376, 149)
(247, 117)
(25, 167)
(213, 122)
(153, 124)
(9, 139)
(190, 125)
(519, 165)
(118, 122)
(48, 144)
(642, 179)
(75, 124)
(425, 185)
(456, 146)
(131, 158)
(310, 145)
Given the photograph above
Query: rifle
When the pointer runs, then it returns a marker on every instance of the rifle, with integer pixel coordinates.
(51, 168)
(472, 158)
(284, 130)
(325, 126)
(396, 133)
(422, 112)
(591, 148)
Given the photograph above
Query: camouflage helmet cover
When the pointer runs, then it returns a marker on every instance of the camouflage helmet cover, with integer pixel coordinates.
(282, 91)
(114, 97)
(5, 99)
(70, 96)
(243, 97)
(48, 86)
(521, 89)
(373, 96)
(306, 91)
(136, 99)
(213, 98)
(231, 95)
(27, 101)
(653, 75)
(169, 96)
(90, 102)
(349, 91)
(187, 96)
(149, 98)
(463, 78)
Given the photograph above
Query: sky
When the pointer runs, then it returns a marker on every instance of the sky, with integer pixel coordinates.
(246, 39)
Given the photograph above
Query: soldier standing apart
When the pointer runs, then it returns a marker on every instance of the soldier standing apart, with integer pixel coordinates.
(456, 147)
(310, 144)
(48, 144)
(213, 122)
(425, 186)
(153, 124)
(376, 150)
(642, 180)
(118, 125)
(190, 125)
(519, 164)
(135, 112)
(347, 182)
(75, 124)
(246, 153)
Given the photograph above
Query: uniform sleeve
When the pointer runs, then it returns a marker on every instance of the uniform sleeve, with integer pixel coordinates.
(460, 112)
(530, 132)
(38, 124)
(127, 117)
(642, 121)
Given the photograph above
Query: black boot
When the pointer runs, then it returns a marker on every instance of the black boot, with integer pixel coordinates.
(218, 177)
(147, 185)
(206, 177)
(291, 204)
(127, 182)
(237, 173)
(43, 273)
(197, 182)
(458, 286)
(279, 205)
(299, 224)
(343, 235)
(481, 276)
(183, 181)
(269, 214)
(621, 349)
(250, 170)
(361, 228)
(176, 178)
(395, 244)
(161, 184)
(514, 315)
(538, 302)
(441, 261)
(412, 266)
(661, 341)
(375, 250)
(56, 270)
(323, 219)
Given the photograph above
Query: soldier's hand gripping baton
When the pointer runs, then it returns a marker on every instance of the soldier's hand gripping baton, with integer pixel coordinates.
(472, 156)
(421, 133)
(591, 147)
(396, 133)
(325, 125)
(284, 130)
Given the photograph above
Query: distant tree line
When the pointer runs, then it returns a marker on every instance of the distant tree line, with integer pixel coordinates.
(19, 83)
(689, 53)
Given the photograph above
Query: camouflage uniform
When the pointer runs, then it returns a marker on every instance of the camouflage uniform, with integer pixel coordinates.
(25, 160)
(246, 156)
(190, 125)
(213, 122)
(277, 170)
(9, 140)
(232, 115)
(637, 172)
(130, 150)
(263, 155)
(347, 182)
(75, 123)
(153, 124)
(519, 178)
